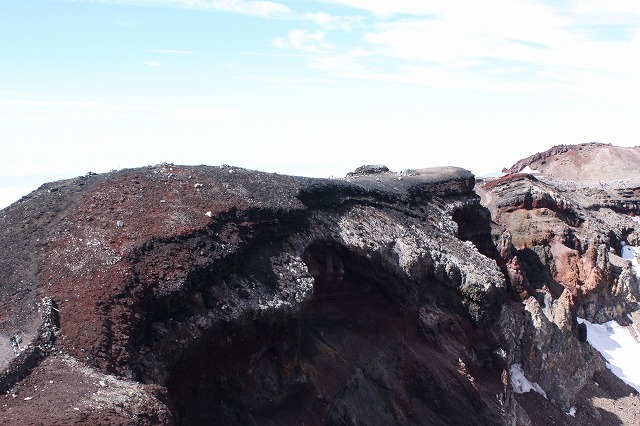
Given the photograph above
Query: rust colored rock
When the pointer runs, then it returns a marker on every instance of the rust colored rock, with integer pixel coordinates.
(518, 280)
(505, 248)
(229, 296)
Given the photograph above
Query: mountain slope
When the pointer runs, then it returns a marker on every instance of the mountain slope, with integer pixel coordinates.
(590, 163)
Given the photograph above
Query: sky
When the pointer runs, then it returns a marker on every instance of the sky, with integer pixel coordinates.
(314, 88)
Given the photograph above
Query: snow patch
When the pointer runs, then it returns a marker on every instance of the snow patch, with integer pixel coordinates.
(635, 218)
(618, 347)
(631, 253)
(530, 171)
(520, 383)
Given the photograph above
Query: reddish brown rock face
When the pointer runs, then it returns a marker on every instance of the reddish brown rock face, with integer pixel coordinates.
(517, 279)
(222, 295)
(562, 260)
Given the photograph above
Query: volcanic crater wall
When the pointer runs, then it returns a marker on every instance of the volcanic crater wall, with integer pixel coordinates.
(308, 310)
(256, 298)
(229, 296)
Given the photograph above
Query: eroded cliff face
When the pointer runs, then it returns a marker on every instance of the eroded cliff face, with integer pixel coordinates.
(559, 246)
(232, 296)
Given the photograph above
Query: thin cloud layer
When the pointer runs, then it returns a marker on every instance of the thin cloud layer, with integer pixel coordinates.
(260, 8)
(509, 46)
(303, 40)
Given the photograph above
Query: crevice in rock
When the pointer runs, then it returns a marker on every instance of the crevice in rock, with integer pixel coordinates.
(474, 224)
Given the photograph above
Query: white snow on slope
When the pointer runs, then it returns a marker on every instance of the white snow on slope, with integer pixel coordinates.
(530, 171)
(618, 347)
(520, 383)
(616, 343)
(631, 253)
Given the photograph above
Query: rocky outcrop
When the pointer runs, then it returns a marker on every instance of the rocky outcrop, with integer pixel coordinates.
(238, 297)
(548, 352)
(559, 245)
(562, 242)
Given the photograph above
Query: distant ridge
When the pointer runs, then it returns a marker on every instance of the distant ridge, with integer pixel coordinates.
(586, 163)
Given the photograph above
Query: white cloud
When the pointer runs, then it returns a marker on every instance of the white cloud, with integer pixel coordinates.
(613, 12)
(619, 12)
(479, 29)
(384, 8)
(331, 22)
(261, 8)
(344, 64)
(524, 46)
(303, 40)
(152, 64)
(258, 8)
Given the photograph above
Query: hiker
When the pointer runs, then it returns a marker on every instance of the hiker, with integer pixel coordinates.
(14, 344)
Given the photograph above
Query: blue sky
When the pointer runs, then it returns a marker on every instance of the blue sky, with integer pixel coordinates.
(308, 87)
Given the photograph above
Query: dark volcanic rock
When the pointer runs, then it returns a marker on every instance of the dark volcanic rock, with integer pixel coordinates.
(223, 295)
(372, 169)
(219, 295)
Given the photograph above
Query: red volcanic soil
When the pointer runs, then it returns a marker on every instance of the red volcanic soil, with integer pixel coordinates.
(590, 163)
(60, 391)
(77, 239)
(90, 268)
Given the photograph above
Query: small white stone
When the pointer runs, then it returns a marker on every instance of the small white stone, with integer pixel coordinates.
(102, 383)
(208, 214)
